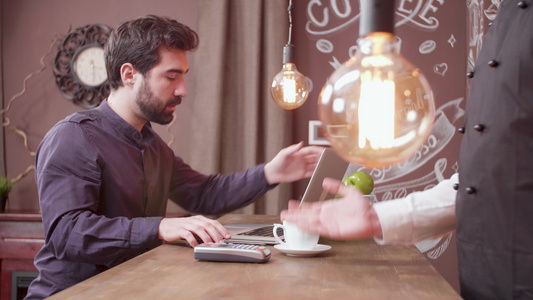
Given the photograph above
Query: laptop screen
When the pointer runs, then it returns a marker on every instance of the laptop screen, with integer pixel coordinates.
(329, 165)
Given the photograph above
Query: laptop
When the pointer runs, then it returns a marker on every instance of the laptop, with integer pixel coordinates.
(329, 165)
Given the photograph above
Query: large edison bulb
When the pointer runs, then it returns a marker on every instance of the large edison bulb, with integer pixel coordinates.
(377, 108)
(289, 88)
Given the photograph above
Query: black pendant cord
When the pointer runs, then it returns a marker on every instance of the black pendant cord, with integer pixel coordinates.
(289, 10)
(376, 16)
(288, 50)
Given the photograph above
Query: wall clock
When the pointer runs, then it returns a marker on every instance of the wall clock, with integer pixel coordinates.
(79, 66)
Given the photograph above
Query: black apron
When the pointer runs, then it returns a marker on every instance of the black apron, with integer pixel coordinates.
(495, 195)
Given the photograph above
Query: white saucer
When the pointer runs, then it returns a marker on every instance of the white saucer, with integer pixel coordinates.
(300, 252)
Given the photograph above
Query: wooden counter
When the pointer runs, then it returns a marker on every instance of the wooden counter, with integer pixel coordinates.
(350, 270)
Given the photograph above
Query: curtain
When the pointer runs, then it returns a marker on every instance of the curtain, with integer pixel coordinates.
(235, 123)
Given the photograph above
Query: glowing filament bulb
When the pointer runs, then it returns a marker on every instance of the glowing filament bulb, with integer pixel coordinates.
(289, 87)
(289, 90)
(376, 113)
(377, 107)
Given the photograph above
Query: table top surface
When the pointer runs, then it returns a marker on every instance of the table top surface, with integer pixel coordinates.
(349, 270)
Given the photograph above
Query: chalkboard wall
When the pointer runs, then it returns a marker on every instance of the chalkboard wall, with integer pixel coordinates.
(442, 38)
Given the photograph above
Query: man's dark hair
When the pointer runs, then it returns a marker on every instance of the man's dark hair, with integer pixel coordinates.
(138, 42)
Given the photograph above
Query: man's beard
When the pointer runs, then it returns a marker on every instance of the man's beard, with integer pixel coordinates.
(152, 107)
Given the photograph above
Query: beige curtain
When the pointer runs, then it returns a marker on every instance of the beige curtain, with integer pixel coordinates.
(235, 123)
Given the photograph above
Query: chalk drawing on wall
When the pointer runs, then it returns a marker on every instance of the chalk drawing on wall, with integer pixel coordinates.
(329, 22)
(319, 24)
(335, 63)
(452, 40)
(434, 248)
(427, 47)
(475, 32)
(440, 69)
(419, 14)
(324, 46)
(476, 12)
(325, 19)
(491, 11)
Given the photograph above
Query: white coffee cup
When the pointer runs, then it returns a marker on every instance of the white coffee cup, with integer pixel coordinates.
(295, 238)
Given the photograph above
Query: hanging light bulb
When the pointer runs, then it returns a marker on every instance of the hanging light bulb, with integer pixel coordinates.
(289, 88)
(377, 108)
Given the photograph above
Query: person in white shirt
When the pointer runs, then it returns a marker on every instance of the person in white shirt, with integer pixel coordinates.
(418, 216)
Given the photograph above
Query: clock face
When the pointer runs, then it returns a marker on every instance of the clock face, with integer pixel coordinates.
(79, 65)
(89, 66)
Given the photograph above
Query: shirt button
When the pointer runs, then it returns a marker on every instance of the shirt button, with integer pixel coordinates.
(493, 64)
(479, 127)
(470, 190)
(461, 130)
(470, 74)
(522, 4)
(456, 186)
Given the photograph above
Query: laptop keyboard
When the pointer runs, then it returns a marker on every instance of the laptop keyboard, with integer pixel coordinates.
(266, 231)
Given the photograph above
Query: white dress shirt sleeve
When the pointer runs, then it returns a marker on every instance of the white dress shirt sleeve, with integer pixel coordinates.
(419, 216)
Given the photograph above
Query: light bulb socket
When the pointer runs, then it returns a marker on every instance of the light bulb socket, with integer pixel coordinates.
(288, 54)
(376, 16)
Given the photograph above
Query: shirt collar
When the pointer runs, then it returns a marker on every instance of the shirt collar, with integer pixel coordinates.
(140, 139)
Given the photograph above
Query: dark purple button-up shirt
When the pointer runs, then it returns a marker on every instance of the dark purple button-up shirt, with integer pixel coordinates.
(103, 190)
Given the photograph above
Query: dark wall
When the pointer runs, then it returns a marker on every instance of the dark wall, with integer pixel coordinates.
(443, 39)
(31, 31)
(432, 36)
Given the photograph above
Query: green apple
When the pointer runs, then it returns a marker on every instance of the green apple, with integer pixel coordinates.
(361, 180)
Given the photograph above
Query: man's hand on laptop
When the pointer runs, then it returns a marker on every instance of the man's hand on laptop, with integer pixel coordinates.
(191, 228)
(293, 163)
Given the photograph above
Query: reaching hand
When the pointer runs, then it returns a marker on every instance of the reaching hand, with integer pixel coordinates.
(174, 229)
(350, 217)
(293, 163)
